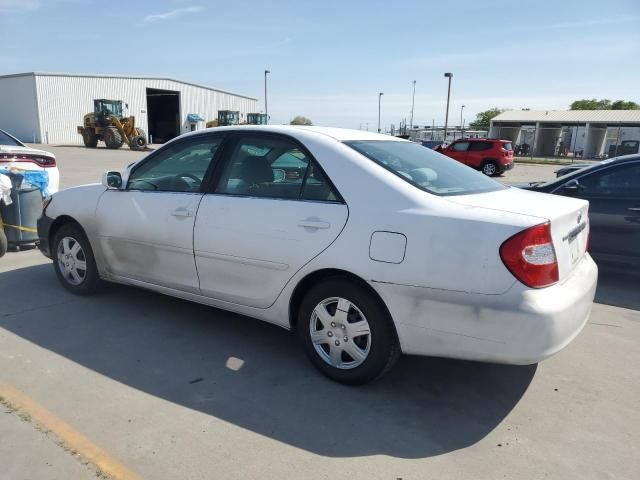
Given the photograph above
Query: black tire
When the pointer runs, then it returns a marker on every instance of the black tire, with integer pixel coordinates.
(137, 142)
(90, 138)
(143, 134)
(90, 282)
(4, 243)
(384, 348)
(112, 138)
(490, 168)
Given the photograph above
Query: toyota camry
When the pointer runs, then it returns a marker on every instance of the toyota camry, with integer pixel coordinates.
(366, 245)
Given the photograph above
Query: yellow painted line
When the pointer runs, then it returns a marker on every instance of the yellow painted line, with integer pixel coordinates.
(18, 227)
(71, 438)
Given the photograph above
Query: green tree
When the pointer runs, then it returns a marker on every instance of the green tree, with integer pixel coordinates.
(300, 120)
(604, 104)
(483, 119)
(622, 105)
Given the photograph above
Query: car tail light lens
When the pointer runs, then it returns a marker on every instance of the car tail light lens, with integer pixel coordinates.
(40, 160)
(530, 257)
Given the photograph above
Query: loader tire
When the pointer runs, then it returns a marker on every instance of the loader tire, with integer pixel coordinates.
(137, 142)
(143, 134)
(112, 138)
(90, 138)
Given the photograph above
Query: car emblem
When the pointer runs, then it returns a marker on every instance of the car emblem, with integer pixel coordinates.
(579, 217)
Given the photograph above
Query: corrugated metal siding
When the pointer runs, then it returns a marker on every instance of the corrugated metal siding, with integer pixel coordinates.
(63, 101)
(18, 107)
(574, 116)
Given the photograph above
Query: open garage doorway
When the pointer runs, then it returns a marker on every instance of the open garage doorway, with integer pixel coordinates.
(163, 114)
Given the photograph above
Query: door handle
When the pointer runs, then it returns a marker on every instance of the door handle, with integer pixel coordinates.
(181, 212)
(634, 209)
(315, 224)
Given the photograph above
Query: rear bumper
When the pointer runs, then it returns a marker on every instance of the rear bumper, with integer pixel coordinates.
(522, 326)
(507, 166)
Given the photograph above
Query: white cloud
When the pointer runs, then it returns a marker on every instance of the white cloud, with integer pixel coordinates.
(158, 17)
(17, 5)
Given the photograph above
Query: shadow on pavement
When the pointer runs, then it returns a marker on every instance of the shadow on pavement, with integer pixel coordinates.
(255, 375)
(618, 289)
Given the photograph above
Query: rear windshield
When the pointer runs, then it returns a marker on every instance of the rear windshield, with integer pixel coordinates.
(422, 167)
(8, 140)
(507, 145)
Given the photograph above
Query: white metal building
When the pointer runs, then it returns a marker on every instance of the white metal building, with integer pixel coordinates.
(587, 133)
(47, 107)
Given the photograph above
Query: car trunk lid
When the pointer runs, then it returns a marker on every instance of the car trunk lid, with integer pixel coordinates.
(568, 218)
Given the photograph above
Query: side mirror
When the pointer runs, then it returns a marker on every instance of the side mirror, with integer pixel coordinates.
(112, 180)
(571, 188)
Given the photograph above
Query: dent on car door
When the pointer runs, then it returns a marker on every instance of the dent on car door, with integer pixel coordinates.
(614, 211)
(146, 229)
(258, 226)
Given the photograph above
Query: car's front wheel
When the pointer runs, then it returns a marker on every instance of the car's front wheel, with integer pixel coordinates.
(74, 262)
(346, 332)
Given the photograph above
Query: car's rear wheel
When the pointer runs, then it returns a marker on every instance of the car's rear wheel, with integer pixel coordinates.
(74, 262)
(346, 332)
(490, 168)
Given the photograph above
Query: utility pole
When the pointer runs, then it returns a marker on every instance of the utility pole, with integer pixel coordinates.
(266, 110)
(413, 102)
(461, 124)
(448, 75)
(379, 103)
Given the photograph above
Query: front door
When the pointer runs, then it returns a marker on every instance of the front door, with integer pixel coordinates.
(146, 229)
(271, 211)
(458, 150)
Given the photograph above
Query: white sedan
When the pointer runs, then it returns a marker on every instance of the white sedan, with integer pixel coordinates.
(365, 244)
(15, 155)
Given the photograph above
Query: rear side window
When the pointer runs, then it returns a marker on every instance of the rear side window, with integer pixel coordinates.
(423, 168)
(507, 146)
(480, 146)
(273, 167)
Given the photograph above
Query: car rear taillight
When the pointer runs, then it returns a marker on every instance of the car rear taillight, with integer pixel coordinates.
(530, 257)
(40, 160)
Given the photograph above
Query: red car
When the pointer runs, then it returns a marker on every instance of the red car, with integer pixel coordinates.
(492, 157)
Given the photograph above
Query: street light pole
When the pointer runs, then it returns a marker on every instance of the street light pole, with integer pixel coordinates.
(461, 125)
(266, 110)
(379, 102)
(413, 102)
(449, 75)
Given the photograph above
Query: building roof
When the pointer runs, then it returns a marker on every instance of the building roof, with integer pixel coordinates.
(133, 77)
(569, 116)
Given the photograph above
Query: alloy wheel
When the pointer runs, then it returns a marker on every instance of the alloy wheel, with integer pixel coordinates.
(72, 261)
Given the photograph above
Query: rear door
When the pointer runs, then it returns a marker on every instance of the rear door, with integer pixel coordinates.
(478, 151)
(270, 211)
(614, 211)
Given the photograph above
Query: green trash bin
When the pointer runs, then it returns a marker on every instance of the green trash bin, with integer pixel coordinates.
(20, 218)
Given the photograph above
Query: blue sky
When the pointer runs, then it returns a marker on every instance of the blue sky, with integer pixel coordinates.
(329, 59)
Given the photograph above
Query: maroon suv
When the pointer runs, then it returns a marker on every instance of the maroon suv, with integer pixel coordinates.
(492, 157)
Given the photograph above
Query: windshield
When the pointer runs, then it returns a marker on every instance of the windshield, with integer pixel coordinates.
(6, 139)
(569, 176)
(109, 107)
(424, 168)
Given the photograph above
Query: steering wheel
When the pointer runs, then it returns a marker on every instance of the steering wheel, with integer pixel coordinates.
(190, 176)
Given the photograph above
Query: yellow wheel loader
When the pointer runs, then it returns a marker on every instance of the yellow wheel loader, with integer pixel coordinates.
(106, 123)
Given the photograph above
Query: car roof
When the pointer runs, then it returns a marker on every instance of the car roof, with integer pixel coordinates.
(481, 140)
(339, 134)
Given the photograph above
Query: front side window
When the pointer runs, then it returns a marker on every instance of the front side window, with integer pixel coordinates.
(621, 181)
(424, 168)
(180, 167)
(460, 146)
(273, 167)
